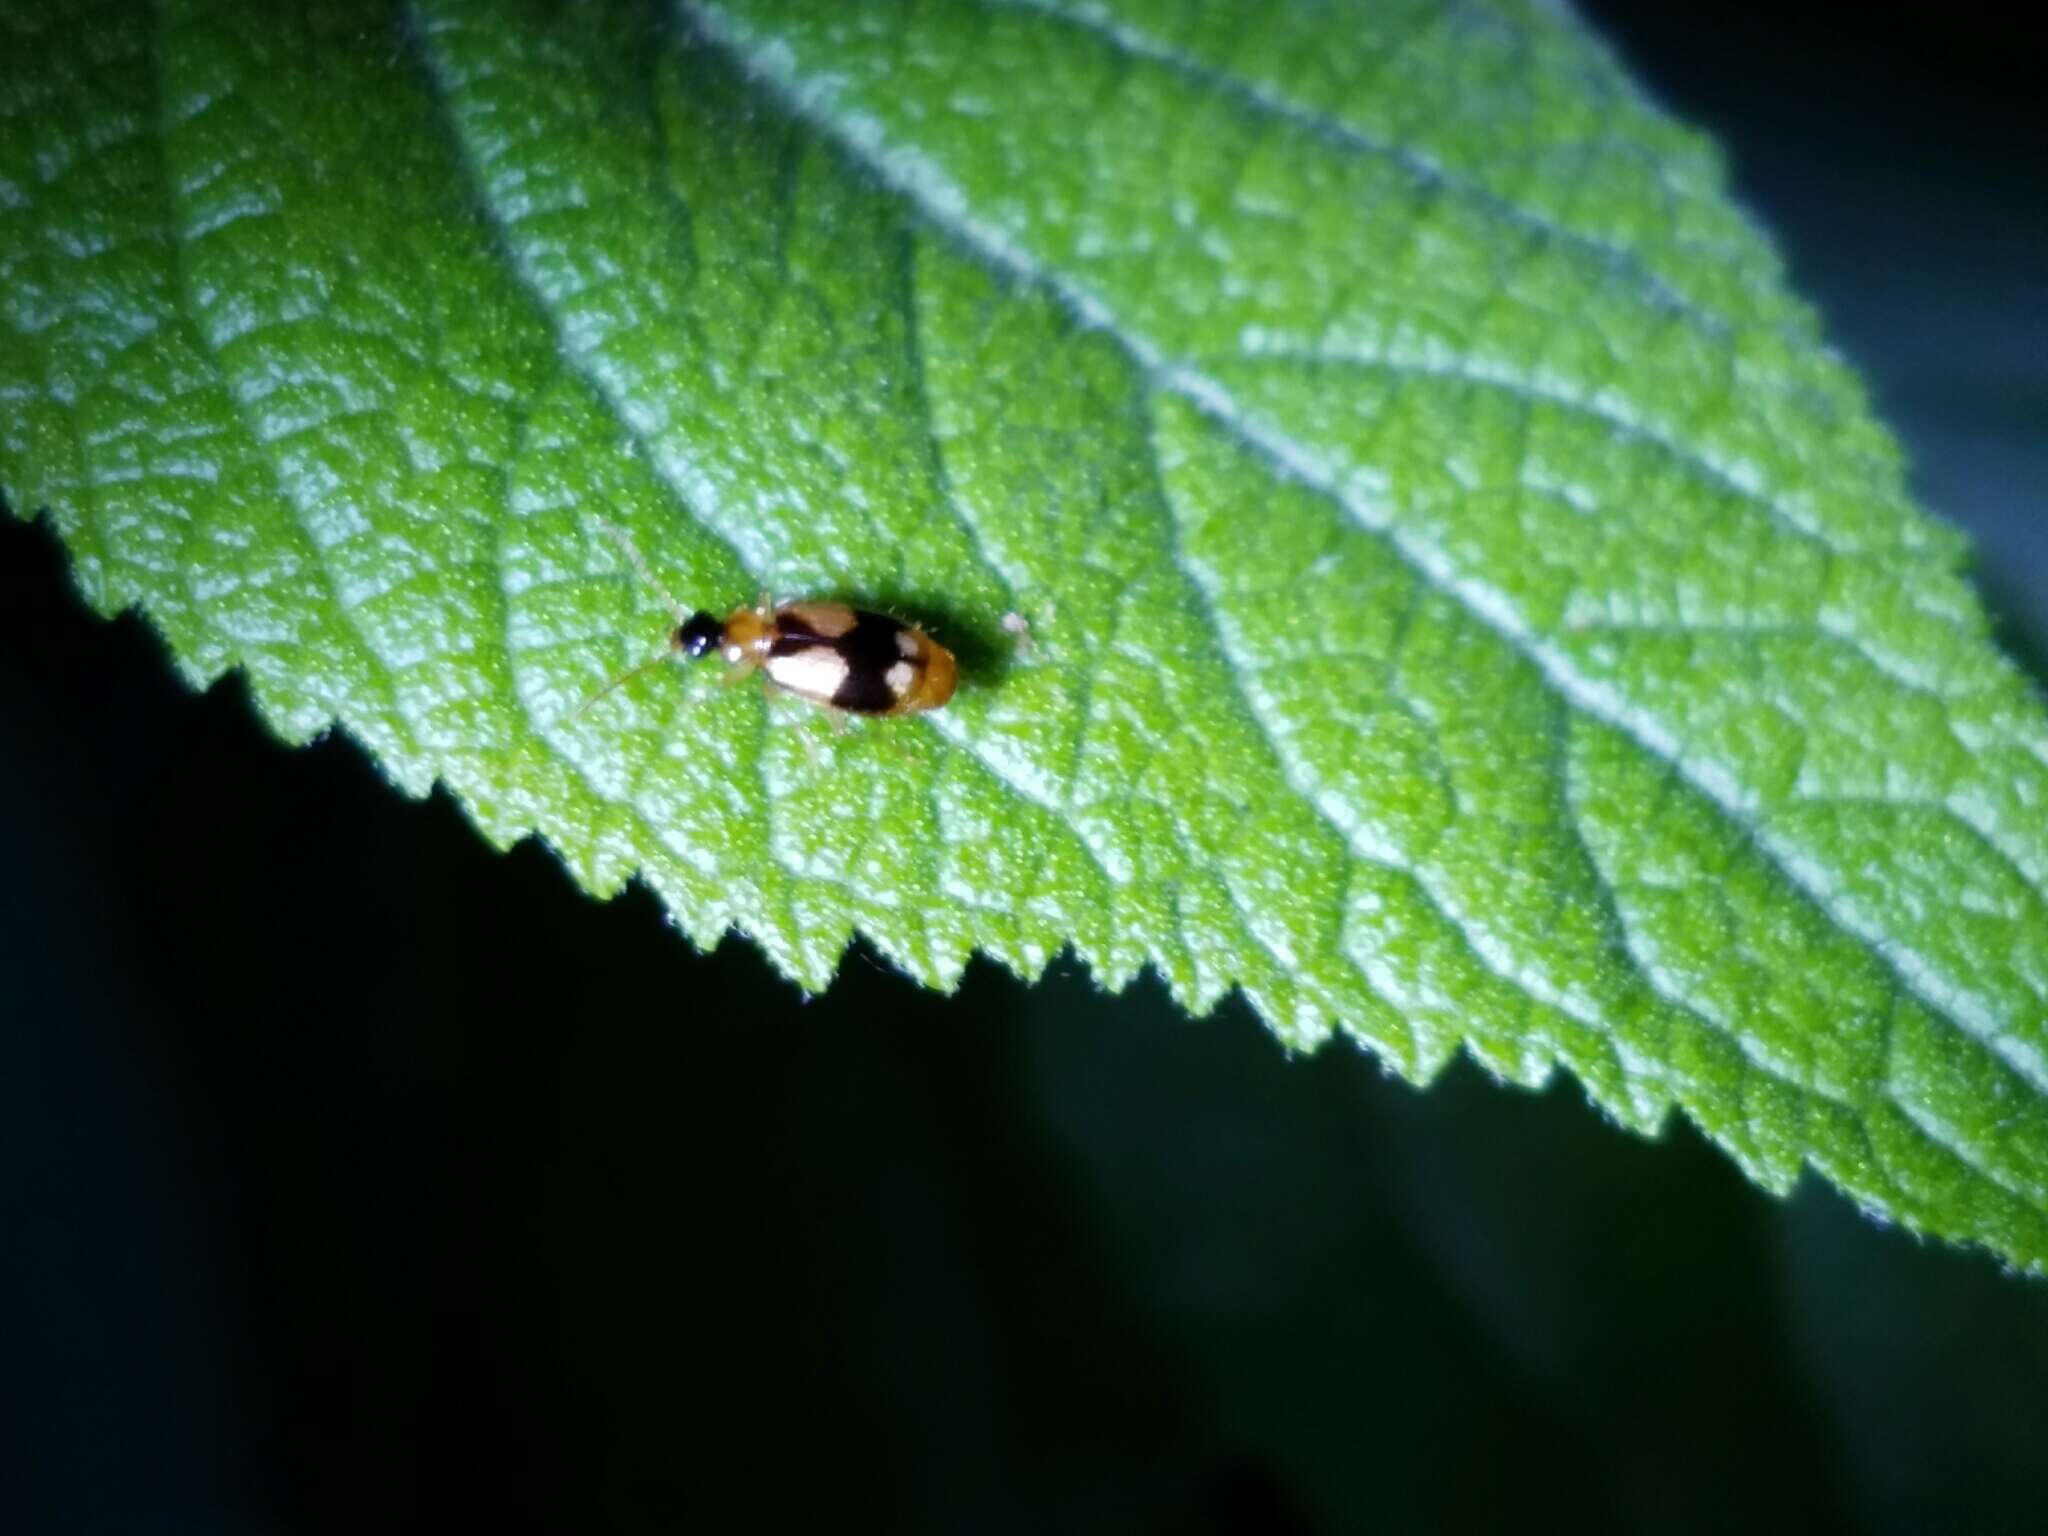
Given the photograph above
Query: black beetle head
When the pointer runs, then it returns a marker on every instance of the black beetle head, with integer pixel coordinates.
(699, 635)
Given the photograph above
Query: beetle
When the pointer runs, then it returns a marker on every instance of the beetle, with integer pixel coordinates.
(844, 658)
(847, 658)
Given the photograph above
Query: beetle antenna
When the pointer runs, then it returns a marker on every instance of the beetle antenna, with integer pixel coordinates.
(621, 680)
(639, 563)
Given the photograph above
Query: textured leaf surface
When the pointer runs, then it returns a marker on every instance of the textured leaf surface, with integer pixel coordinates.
(1471, 606)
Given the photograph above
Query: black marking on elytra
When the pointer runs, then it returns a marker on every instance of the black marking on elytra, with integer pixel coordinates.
(869, 650)
(791, 627)
(985, 653)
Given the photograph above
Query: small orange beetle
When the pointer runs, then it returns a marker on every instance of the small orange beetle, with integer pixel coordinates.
(849, 658)
(842, 657)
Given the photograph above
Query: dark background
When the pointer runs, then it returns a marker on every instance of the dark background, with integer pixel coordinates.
(351, 1173)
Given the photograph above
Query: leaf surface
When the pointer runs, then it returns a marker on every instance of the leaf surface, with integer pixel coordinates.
(1471, 607)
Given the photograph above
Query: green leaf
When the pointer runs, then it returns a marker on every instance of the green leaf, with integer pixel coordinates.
(1471, 606)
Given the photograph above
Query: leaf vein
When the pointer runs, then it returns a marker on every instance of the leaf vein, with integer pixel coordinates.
(1427, 171)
